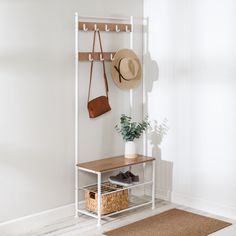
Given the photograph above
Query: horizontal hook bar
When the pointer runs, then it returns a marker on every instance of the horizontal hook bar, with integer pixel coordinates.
(105, 26)
(96, 56)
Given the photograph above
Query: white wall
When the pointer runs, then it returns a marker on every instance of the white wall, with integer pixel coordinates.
(193, 44)
(37, 100)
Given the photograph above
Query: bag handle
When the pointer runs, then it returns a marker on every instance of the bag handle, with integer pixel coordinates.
(103, 63)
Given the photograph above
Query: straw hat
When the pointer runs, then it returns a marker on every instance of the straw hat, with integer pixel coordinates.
(126, 69)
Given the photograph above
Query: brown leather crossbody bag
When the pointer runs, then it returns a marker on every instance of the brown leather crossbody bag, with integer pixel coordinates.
(99, 105)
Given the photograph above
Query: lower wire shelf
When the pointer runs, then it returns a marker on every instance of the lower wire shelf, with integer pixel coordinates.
(134, 202)
(134, 185)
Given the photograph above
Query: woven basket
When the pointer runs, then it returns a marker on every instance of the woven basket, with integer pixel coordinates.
(114, 201)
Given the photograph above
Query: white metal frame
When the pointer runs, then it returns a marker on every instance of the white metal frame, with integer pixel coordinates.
(76, 115)
(98, 216)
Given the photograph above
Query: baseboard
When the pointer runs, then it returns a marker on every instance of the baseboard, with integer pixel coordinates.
(204, 205)
(33, 222)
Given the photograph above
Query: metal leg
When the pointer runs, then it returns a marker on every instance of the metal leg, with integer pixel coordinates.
(76, 193)
(130, 192)
(144, 177)
(153, 184)
(99, 199)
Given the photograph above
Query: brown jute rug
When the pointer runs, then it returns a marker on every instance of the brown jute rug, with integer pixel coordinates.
(174, 222)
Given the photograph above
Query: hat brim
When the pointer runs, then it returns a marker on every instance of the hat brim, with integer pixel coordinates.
(125, 53)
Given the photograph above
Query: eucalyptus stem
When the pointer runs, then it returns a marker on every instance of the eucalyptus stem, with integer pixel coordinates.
(131, 130)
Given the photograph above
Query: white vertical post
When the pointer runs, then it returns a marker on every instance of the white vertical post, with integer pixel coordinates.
(99, 199)
(144, 51)
(76, 117)
(153, 183)
(144, 92)
(131, 47)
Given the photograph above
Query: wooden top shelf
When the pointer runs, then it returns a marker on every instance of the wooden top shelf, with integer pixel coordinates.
(112, 163)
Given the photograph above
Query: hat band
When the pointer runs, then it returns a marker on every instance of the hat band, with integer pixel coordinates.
(120, 75)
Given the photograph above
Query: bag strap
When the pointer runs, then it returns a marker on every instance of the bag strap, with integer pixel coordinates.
(91, 66)
(103, 63)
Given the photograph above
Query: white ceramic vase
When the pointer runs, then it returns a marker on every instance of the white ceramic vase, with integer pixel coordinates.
(130, 149)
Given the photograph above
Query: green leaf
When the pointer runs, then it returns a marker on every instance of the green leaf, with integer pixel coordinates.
(131, 130)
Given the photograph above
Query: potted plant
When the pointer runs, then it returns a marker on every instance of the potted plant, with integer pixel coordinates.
(130, 131)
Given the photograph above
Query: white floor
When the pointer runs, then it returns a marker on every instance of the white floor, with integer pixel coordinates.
(87, 226)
